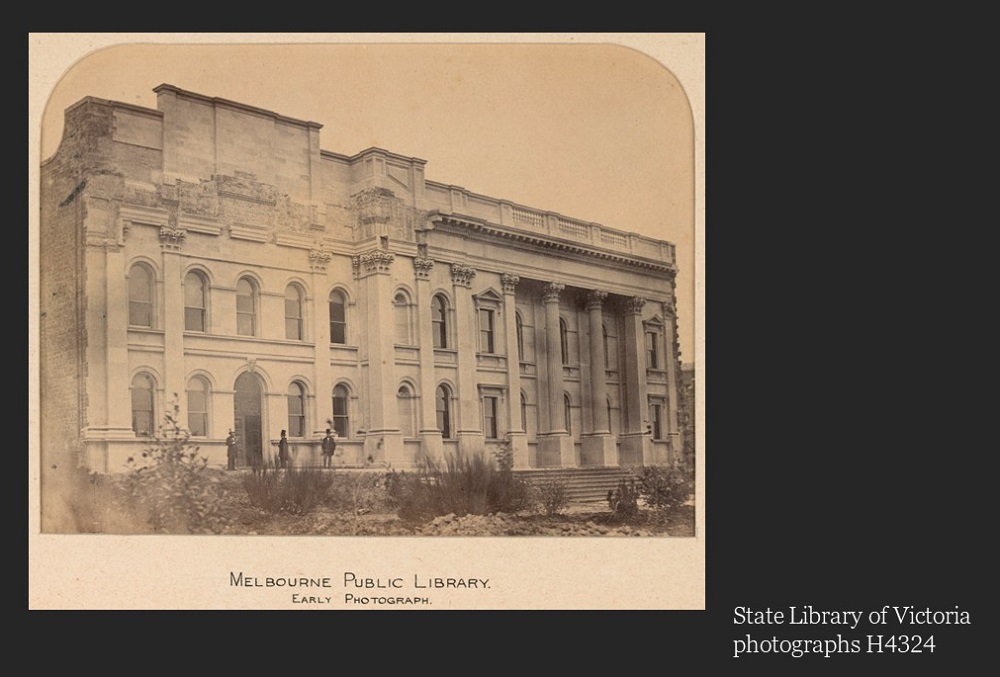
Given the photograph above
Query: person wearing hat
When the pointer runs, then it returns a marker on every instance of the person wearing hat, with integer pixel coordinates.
(231, 450)
(329, 446)
(283, 451)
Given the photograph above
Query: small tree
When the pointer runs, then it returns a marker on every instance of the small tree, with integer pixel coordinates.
(169, 484)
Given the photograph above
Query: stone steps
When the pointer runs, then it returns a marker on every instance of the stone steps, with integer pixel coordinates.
(583, 485)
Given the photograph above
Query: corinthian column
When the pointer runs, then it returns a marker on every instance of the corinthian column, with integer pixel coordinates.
(515, 426)
(430, 436)
(555, 446)
(599, 447)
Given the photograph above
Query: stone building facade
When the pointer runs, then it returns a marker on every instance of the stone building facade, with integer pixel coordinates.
(212, 250)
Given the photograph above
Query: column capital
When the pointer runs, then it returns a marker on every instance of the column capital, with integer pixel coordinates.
(422, 267)
(634, 305)
(668, 309)
(461, 274)
(509, 282)
(552, 292)
(374, 261)
(318, 259)
(171, 239)
(595, 299)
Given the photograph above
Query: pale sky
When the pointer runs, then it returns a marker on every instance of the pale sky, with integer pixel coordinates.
(592, 126)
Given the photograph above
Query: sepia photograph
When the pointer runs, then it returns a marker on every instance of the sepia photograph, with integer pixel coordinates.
(421, 311)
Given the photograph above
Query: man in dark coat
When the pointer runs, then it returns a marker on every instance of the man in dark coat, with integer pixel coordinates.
(329, 447)
(283, 451)
(231, 450)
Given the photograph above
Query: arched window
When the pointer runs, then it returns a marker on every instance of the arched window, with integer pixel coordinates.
(442, 403)
(524, 413)
(401, 318)
(564, 340)
(519, 322)
(567, 412)
(338, 317)
(341, 413)
(143, 415)
(293, 313)
(404, 404)
(194, 301)
(246, 307)
(197, 407)
(439, 320)
(140, 296)
(296, 410)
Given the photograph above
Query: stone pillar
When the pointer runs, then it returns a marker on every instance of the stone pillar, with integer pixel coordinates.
(636, 446)
(471, 439)
(676, 449)
(556, 441)
(322, 402)
(599, 447)
(384, 440)
(515, 427)
(171, 240)
(430, 437)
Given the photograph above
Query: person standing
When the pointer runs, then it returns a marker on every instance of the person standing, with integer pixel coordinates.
(231, 450)
(283, 451)
(329, 447)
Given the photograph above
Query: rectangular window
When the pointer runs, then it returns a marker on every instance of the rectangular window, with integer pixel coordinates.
(490, 417)
(652, 355)
(197, 413)
(296, 417)
(486, 331)
(656, 420)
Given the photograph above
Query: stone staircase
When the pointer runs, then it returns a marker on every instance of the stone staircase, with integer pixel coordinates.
(583, 485)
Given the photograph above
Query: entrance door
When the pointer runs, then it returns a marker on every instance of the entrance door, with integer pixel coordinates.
(247, 415)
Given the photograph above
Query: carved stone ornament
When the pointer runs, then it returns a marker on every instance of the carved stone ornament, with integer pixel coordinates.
(509, 282)
(318, 259)
(251, 364)
(595, 299)
(635, 304)
(668, 309)
(462, 274)
(376, 261)
(552, 292)
(423, 266)
(171, 239)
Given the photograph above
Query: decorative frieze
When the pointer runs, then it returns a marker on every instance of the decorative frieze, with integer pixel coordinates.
(171, 239)
(422, 266)
(634, 305)
(462, 274)
(373, 261)
(595, 299)
(552, 292)
(509, 282)
(319, 259)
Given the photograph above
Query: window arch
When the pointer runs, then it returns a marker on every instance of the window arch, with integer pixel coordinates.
(246, 307)
(296, 410)
(404, 404)
(567, 412)
(338, 317)
(197, 406)
(341, 411)
(293, 313)
(140, 296)
(442, 404)
(195, 293)
(564, 340)
(519, 322)
(143, 412)
(401, 318)
(439, 320)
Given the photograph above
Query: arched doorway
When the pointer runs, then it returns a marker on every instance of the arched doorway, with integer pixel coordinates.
(247, 415)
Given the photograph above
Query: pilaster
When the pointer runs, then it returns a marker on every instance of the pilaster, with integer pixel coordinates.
(636, 447)
(171, 241)
(430, 437)
(322, 401)
(471, 439)
(598, 447)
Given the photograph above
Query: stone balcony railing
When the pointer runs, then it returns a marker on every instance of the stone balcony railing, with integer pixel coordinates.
(455, 200)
